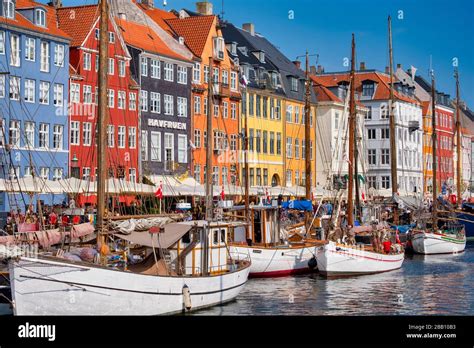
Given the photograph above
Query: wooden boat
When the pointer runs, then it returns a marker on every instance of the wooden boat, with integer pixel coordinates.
(439, 242)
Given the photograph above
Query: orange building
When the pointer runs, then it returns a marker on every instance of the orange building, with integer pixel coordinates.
(202, 35)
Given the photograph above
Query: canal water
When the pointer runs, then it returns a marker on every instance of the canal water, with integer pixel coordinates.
(425, 285)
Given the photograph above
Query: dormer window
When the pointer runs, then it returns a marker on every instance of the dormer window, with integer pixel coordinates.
(294, 84)
(219, 48)
(260, 56)
(368, 89)
(274, 79)
(233, 48)
(9, 9)
(40, 17)
(342, 91)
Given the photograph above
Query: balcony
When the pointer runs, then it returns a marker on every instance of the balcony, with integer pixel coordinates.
(221, 90)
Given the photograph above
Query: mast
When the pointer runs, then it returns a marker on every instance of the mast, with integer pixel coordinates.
(307, 149)
(102, 121)
(458, 144)
(209, 174)
(434, 139)
(246, 164)
(393, 144)
(352, 137)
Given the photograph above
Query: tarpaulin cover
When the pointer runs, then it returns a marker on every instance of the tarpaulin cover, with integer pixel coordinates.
(298, 205)
(173, 232)
(82, 230)
(403, 228)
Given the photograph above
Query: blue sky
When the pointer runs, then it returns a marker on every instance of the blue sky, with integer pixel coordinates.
(440, 28)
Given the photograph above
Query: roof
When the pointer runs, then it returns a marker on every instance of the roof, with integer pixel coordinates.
(194, 30)
(333, 79)
(159, 16)
(145, 38)
(22, 22)
(77, 21)
(324, 94)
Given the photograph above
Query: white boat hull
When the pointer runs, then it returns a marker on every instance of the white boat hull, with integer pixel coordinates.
(339, 260)
(277, 261)
(50, 287)
(434, 243)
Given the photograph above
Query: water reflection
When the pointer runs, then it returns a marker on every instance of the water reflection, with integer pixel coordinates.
(426, 285)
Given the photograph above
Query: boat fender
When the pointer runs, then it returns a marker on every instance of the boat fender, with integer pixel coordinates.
(312, 263)
(186, 297)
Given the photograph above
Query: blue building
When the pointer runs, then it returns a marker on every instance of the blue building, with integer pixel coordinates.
(34, 80)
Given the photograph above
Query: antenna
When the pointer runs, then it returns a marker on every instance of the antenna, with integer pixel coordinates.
(165, 3)
(222, 10)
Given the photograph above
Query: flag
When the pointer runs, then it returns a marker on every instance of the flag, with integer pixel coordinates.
(222, 193)
(413, 72)
(268, 196)
(243, 81)
(363, 196)
(159, 192)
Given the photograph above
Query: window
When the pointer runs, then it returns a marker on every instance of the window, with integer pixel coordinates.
(169, 107)
(86, 173)
(74, 93)
(385, 182)
(111, 98)
(96, 63)
(197, 105)
(44, 92)
(289, 113)
(289, 147)
(233, 111)
(30, 87)
(215, 75)
(111, 37)
(14, 88)
(2, 42)
(215, 175)
(336, 120)
(132, 101)
(132, 137)
(251, 142)
(144, 66)
(371, 133)
(265, 141)
(288, 178)
(368, 115)
(182, 107)
(372, 156)
(110, 135)
(258, 140)
(383, 111)
(44, 56)
(297, 148)
(197, 138)
(87, 91)
(206, 73)
(368, 89)
(233, 80)
(197, 173)
(111, 66)
(86, 133)
(44, 173)
(169, 72)
(57, 174)
(44, 135)
(259, 177)
(182, 75)
(216, 110)
(29, 171)
(251, 99)
(86, 61)
(169, 149)
(294, 84)
(156, 146)
(233, 142)
(297, 116)
(385, 159)
(225, 77)
(121, 67)
(144, 146)
(385, 133)
(30, 134)
(155, 69)
(40, 17)
(225, 110)
(74, 133)
(197, 73)
(182, 148)
(132, 175)
(15, 50)
(258, 105)
(58, 94)
(14, 133)
(58, 137)
(9, 8)
(272, 143)
(121, 137)
(205, 106)
(30, 46)
(251, 177)
(372, 181)
(155, 102)
(59, 55)
(278, 146)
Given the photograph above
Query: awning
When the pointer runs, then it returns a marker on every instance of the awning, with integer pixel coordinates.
(173, 232)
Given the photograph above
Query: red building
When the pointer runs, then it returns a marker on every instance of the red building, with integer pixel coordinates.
(82, 24)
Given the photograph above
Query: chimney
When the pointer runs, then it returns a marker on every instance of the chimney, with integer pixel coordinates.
(387, 70)
(320, 69)
(250, 27)
(362, 66)
(312, 70)
(399, 66)
(297, 63)
(204, 8)
(56, 3)
(122, 16)
(148, 3)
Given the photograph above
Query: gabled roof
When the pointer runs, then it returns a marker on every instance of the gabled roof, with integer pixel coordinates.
(159, 17)
(324, 94)
(77, 21)
(145, 38)
(382, 92)
(194, 30)
(22, 22)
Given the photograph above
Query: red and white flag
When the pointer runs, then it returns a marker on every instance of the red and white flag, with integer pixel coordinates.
(222, 193)
(159, 192)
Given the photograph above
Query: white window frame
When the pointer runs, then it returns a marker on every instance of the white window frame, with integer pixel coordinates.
(155, 146)
(30, 91)
(168, 101)
(155, 65)
(132, 137)
(44, 88)
(43, 136)
(182, 75)
(182, 148)
(155, 102)
(121, 135)
(58, 94)
(182, 104)
(86, 134)
(58, 134)
(30, 49)
(59, 55)
(169, 71)
(75, 129)
(44, 56)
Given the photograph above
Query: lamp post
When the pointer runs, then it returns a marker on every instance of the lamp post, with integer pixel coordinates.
(74, 167)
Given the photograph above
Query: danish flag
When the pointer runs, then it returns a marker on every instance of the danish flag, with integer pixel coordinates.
(159, 192)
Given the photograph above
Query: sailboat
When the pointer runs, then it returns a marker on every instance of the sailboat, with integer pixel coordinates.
(186, 265)
(270, 255)
(429, 237)
(343, 257)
